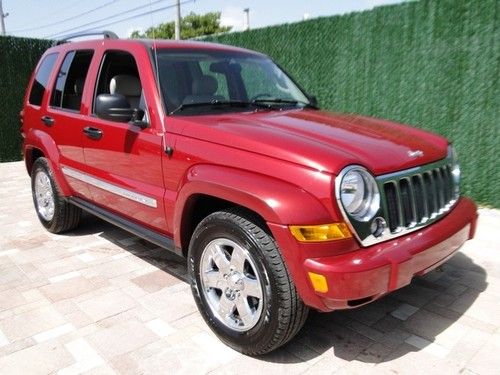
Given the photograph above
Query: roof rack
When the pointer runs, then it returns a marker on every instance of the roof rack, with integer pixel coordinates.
(105, 33)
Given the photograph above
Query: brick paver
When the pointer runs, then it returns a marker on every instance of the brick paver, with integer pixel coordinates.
(101, 301)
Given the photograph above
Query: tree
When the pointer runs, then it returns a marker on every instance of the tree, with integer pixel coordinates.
(192, 25)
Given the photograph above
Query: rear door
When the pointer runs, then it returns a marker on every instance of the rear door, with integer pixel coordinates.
(63, 117)
(123, 161)
(32, 116)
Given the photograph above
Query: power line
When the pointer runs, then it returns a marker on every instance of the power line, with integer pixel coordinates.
(65, 20)
(103, 19)
(118, 21)
(138, 15)
(61, 10)
(57, 11)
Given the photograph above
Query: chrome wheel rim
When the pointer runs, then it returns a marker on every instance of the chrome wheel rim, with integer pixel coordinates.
(230, 284)
(44, 196)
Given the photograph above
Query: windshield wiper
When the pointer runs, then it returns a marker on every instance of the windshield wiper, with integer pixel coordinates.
(282, 101)
(262, 103)
(214, 103)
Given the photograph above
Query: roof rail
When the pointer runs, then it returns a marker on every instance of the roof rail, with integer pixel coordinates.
(106, 34)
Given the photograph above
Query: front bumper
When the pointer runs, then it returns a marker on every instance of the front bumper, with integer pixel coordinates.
(365, 274)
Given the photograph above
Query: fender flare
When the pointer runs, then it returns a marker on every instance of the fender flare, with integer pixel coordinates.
(37, 139)
(275, 200)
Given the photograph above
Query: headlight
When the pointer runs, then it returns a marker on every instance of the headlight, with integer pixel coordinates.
(359, 194)
(455, 170)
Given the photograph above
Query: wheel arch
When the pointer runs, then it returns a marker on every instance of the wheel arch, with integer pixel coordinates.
(199, 206)
(30, 156)
(208, 189)
(40, 144)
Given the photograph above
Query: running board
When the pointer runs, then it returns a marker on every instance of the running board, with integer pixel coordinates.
(149, 235)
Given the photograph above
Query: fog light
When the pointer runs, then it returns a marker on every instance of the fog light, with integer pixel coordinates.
(378, 226)
(319, 233)
(318, 282)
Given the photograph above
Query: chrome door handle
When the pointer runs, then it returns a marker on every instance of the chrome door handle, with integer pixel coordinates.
(47, 120)
(93, 133)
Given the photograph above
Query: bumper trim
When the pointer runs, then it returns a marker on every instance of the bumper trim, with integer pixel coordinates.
(371, 272)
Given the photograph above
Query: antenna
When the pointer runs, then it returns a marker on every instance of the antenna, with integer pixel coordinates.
(157, 74)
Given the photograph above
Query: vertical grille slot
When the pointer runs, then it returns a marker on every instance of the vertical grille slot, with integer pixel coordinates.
(418, 190)
(392, 206)
(430, 193)
(438, 180)
(406, 201)
(448, 183)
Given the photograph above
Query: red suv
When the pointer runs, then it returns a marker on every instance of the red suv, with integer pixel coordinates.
(215, 153)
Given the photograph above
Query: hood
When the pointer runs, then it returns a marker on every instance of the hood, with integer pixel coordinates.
(320, 140)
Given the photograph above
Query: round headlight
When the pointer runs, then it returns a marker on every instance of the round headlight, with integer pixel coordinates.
(359, 194)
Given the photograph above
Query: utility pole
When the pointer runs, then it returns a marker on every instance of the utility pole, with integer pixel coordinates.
(2, 17)
(177, 20)
(247, 18)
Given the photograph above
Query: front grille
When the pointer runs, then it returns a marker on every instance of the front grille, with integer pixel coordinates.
(412, 199)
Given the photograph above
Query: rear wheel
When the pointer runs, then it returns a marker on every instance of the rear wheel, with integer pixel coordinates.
(241, 284)
(54, 212)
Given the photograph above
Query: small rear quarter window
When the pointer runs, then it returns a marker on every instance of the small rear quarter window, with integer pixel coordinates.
(41, 79)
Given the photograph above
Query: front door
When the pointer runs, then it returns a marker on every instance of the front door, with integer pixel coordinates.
(123, 161)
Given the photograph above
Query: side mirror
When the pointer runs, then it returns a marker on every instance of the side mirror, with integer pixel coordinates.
(114, 107)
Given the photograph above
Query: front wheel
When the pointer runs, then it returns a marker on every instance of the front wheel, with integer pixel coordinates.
(241, 284)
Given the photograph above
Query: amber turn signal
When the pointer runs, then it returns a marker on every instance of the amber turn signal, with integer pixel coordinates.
(319, 233)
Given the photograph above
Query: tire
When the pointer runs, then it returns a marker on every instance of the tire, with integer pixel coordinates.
(237, 244)
(53, 211)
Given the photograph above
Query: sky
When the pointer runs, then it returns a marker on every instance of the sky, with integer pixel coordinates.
(54, 18)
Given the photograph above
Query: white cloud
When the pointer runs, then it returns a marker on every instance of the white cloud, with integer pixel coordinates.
(234, 17)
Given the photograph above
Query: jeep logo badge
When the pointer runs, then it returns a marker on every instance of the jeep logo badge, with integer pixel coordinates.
(415, 154)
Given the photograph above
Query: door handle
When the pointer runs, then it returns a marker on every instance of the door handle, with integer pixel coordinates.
(47, 120)
(93, 133)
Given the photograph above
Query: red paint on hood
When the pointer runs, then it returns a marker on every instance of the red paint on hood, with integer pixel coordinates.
(318, 139)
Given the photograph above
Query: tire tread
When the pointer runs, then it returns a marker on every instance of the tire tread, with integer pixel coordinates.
(66, 215)
(293, 312)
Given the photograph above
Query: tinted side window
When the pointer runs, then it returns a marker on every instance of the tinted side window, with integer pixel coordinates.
(41, 79)
(113, 64)
(119, 75)
(68, 88)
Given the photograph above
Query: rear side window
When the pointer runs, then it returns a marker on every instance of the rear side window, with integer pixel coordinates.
(68, 89)
(41, 79)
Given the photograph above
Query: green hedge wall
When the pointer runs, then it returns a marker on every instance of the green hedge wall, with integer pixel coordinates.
(432, 64)
(18, 58)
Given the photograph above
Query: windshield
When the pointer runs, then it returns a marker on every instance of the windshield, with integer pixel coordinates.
(207, 81)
